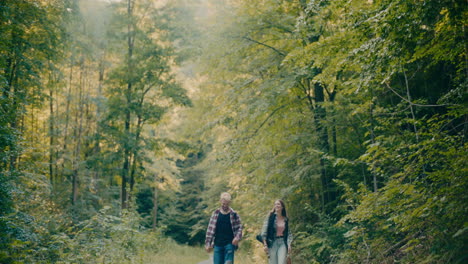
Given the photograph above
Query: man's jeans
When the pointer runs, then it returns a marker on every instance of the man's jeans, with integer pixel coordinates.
(223, 255)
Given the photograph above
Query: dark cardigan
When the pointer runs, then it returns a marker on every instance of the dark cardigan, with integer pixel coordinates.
(271, 230)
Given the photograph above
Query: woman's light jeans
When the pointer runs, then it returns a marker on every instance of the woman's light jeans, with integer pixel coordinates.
(278, 252)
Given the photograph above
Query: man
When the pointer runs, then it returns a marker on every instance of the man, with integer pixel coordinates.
(224, 232)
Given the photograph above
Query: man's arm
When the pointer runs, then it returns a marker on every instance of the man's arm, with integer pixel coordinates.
(210, 231)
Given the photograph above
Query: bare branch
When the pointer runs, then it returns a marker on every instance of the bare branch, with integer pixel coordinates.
(411, 103)
(272, 114)
(266, 45)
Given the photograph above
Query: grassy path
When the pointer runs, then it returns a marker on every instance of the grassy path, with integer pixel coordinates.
(173, 253)
(241, 257)
(208, 261)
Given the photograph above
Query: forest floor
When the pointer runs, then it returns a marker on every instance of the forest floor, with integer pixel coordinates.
(208, 261)
(240, 257)
(173, 253)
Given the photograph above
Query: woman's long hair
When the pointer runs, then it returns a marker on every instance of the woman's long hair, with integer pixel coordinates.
(283, 212)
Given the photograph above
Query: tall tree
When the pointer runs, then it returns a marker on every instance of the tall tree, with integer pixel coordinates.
(30, 34)
(150, 86)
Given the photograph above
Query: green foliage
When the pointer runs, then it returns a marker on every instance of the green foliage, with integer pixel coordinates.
(60, 75)
(311, 100)
(7, 230)
(106, 238)
(323, 238)
(30, 38)
(353, 112)
(187, 223)
(420, 210)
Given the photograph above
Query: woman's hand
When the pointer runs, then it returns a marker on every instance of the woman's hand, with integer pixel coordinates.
(265, 248)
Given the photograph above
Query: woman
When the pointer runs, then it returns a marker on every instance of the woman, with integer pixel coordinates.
(276, 235)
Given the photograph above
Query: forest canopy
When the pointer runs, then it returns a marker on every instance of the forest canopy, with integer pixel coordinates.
(121, 122)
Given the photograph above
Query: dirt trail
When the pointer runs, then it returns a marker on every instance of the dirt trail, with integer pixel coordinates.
(208, 261)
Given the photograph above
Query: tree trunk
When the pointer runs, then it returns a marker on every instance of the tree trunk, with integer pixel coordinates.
(51, 129)
(155, 202)
(97, 148)
(124, 180)
(135, 153)
(78, 133)
(15, 116)
(323, 141)
(67, 105)
(127, 151)
(333, 125)
(371, 117)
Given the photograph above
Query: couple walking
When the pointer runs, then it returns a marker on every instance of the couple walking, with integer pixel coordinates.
(225, 231)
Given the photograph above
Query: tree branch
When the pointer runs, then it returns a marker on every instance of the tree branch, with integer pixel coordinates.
(411, 103)
(272, 114)
(266, 45)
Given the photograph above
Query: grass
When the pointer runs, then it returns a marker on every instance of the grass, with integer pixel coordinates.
(176, 254)
(167, 251)
(173, 253)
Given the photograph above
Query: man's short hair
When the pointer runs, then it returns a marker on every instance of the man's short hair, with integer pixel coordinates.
(226, 196)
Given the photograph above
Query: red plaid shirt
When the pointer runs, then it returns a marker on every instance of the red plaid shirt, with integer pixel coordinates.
(235, 223)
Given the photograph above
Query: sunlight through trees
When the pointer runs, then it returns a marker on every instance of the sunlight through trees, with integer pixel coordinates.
(121, 122)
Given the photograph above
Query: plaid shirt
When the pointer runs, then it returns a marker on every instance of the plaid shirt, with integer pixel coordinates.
(235, 223)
